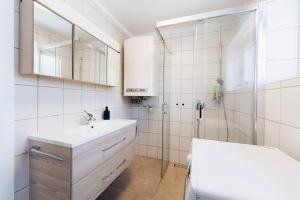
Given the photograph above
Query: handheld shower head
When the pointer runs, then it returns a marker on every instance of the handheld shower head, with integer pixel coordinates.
(220, 81)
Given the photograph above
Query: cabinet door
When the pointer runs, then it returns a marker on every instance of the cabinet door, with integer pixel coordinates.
(52, 45)
(89, 58)
(50, 177)
(113, 67)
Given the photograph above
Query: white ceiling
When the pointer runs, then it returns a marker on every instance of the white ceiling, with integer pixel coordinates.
(140, 16)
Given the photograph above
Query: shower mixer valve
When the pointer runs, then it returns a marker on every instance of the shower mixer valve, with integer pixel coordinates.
(200, 107)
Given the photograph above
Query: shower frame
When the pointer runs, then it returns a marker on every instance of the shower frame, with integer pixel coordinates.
(221, 13)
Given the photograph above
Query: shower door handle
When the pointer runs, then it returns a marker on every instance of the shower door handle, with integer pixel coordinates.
(164, 108)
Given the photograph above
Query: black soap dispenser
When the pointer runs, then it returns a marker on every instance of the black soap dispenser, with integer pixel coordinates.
(106, 114)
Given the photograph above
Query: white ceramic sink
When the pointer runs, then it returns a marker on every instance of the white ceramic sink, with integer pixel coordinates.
(98, 127)
(85, 133)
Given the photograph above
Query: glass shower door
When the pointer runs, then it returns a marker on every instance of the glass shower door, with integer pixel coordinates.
(224, 64)
(165, 108)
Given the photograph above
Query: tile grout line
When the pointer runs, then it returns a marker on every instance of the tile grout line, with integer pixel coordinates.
(38, 83)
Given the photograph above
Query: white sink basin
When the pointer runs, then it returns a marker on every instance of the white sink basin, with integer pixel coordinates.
(85, 133)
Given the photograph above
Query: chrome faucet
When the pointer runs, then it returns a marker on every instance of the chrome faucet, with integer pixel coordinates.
(88, 117)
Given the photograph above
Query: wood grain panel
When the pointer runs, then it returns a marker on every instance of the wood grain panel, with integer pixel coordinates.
(26, 37)
(50, 178)
(85, 171)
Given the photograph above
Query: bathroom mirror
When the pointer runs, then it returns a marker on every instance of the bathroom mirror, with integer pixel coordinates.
(52, 44)
(89, 58)
(56, 42)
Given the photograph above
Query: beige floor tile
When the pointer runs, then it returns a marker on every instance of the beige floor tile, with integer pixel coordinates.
(142, 181)
(170, 189)
(142, 197)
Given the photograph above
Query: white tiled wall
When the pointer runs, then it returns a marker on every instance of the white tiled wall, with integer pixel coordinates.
(281, 32)
(282, 124)
(149, 128)
(280, 41)
(186, 59)
(45, 105)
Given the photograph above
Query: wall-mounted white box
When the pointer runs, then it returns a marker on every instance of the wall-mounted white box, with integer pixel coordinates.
(141, 66)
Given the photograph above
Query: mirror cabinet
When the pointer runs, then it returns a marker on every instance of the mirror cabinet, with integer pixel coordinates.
(90, 58)
(113, 67)
(53, 46)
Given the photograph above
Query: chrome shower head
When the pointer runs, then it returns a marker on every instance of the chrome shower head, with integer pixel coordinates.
(220, 81)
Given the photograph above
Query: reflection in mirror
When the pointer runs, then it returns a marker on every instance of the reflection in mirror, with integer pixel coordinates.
(89, 58)
(113, 67)
(52, 44)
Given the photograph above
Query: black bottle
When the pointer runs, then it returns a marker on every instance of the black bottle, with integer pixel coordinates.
(106, 114)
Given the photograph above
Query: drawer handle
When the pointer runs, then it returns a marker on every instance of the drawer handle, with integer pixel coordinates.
(120, 165)
(107, 176)
(36, 149)
(108, 148)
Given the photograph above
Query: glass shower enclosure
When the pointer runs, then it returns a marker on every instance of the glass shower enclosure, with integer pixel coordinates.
(225, 55)
(211, 89)
(165, 106)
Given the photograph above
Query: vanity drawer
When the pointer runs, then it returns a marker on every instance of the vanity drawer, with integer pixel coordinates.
(117, 165)
(89, 156)
(50, 171)
(114, 145)
(86, 159)
(89, 187)
(125, 159)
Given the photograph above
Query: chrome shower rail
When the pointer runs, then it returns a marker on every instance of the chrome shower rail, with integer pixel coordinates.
(208, 15)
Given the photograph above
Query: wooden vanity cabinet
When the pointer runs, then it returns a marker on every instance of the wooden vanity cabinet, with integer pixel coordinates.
(80, 173)
(50, 178)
